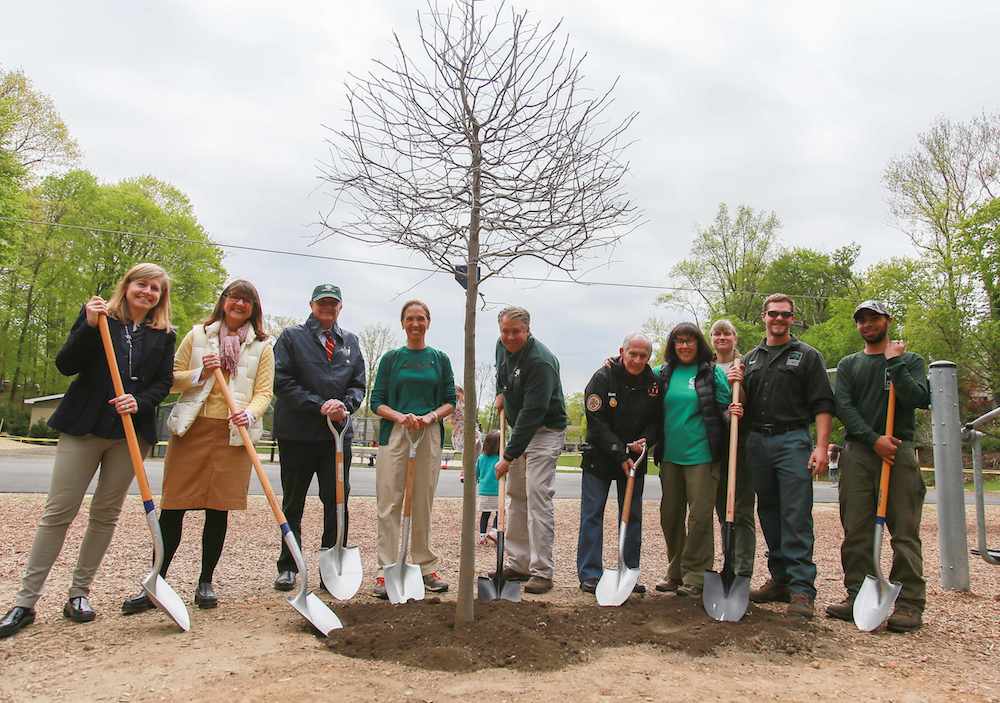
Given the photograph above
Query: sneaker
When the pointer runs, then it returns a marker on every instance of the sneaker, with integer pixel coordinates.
(492, 535)
(538, 584)
(434, 583)
(689, 589)
(771, 592)
(137, 604)
(801, 605)
(905, 618)
(844, 610)
(481, 538)
(668, 585)
(379, 590)
(588, 585)
(285, 581)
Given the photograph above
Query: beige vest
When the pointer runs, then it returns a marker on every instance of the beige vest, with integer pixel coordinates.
(206, 341)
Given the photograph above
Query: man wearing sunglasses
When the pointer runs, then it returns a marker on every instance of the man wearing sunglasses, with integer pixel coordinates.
(786, 389)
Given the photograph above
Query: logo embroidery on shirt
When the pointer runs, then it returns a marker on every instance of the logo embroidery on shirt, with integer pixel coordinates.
(794, 359)
(594, 402)
(691, 382)
(654, 391)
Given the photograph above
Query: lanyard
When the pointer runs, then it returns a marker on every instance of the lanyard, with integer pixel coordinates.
(128, 342)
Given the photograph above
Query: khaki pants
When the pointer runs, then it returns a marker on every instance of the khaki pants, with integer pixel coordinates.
(77, 460)
(531, 516)
(689, 492)
(390, 476)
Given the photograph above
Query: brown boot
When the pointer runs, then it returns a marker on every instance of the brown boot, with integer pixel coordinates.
(538, 584)
(771, 592)
(905, 618)
(844, 610)
(801, 605)
(668, 585)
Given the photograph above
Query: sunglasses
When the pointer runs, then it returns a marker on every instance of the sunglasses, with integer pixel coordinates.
(783, 314)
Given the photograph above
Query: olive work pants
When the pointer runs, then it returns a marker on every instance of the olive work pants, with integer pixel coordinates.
(686, 508)
(744, 525)
(860, 472)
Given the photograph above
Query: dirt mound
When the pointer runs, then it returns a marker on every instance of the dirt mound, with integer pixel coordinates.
(542, 636)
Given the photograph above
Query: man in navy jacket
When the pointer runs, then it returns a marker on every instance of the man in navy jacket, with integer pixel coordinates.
(318, 373)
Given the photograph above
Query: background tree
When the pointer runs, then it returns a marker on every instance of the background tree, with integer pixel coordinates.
(727, 264)
(481, 149)
(31, 128)
(375, 341)
(813, 278)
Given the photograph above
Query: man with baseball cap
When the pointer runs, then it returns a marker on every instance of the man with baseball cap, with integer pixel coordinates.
(862, 397)
(318, 373)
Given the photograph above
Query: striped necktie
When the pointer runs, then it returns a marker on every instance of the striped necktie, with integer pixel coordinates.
(329, 345)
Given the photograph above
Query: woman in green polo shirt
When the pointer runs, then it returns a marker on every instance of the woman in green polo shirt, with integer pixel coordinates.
(414, 389)
(696, 398)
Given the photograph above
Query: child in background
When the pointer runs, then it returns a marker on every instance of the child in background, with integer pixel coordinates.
(487, 478)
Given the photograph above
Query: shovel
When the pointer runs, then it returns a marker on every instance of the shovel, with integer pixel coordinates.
(877, 596)
(496, 588)
(615, 585)
(156, 588)
(726, 595)
(340, 566)
(309, 605)
(404, 582)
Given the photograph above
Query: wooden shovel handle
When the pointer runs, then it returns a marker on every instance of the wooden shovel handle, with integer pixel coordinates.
(220, 383)
(734, 438)
(883, 485)
(502, 481)
(134, 452)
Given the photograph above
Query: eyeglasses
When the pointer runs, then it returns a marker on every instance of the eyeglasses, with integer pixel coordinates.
(239, 299)
(783, 314)
(685, 342)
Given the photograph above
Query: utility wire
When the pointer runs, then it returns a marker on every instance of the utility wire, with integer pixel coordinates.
(422, 269)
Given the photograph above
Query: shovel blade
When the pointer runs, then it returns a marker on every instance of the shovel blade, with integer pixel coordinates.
(403, 582)
(615, 586)
(874, 602)
(486, 589)
(341, 570)
(316, 612)
(166, 599)
(725, 603)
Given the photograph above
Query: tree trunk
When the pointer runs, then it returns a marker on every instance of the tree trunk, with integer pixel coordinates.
(465, 610)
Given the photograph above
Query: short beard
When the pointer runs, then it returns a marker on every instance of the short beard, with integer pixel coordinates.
(877, 338)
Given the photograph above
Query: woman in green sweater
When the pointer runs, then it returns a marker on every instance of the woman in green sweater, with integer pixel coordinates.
(696, 398)
(414, 390)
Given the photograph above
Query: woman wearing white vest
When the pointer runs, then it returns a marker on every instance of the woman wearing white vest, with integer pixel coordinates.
(206, 467)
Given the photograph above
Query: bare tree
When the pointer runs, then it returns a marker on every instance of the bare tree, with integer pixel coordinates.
(274, 325)
(31, 128)
(375, 341)
(478, 150)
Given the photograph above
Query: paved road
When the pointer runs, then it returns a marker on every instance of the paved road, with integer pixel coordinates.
(30, 474)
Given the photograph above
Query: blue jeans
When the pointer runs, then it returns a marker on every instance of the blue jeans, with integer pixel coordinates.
(781, 478)
(590, 545)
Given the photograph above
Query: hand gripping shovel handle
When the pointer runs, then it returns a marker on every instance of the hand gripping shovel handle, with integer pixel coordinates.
(134, 453)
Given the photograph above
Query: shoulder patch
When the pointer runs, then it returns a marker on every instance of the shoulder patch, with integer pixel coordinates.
(594, 402)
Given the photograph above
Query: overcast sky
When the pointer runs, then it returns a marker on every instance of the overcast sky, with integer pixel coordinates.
(794, 107)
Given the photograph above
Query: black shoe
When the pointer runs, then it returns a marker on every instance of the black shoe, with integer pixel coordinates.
(16, 618)
(137, 604)
(78, 609)
(588, 585)
(285, 581)
(204, 596)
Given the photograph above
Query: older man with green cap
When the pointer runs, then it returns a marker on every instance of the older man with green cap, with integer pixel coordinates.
(318, 373)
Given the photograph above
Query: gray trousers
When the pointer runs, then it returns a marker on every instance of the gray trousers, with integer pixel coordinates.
(77, 460)
(531, 515)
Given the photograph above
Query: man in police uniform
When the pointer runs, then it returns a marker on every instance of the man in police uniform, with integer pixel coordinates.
(862, 396)
(624, 411)
(318, 373)
(786, 388)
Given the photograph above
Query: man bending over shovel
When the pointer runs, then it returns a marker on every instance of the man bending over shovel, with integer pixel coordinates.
(862, 395)
(623, 416)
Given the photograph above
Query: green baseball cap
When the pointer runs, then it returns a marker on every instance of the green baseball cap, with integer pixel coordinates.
(326, 290)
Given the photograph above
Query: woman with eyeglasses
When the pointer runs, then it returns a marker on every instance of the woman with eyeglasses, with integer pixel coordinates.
(696, 400)
(92, 439)
(206, 466)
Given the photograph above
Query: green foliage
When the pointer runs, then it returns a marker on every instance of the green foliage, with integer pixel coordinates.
(823, 276)
(15, 419)
(41, 429)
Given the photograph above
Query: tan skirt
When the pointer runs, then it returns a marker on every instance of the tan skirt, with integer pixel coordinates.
(202, 470)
